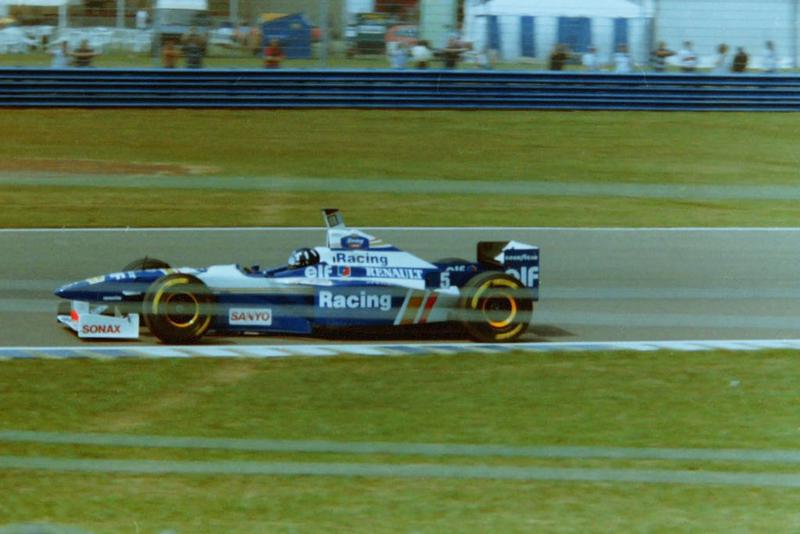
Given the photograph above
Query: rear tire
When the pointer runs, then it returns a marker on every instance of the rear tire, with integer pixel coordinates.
(178, 308)
(456, 261)
(142, 264)
(496, 307)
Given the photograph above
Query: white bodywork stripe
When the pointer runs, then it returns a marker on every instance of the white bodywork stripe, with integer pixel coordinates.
(403, 308)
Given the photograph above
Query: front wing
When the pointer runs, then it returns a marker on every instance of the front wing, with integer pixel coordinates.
(93, 321)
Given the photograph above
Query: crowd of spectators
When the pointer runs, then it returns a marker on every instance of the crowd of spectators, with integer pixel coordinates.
(662, 58)
(421, 55)
(190, 51)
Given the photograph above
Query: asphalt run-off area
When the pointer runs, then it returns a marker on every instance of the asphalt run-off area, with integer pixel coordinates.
(692, 287)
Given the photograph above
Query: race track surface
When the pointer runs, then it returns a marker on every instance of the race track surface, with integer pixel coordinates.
(597, 284)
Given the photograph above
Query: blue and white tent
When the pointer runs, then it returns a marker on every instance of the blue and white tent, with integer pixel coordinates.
(531, 28)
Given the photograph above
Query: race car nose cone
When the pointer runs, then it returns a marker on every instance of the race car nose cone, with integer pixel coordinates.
(72, 291)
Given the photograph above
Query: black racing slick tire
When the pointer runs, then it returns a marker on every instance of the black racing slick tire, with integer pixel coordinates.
(142, 264)
(178, 309)
(495, 307)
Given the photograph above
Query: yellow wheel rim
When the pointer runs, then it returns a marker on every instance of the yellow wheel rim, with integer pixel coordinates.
(512, 312)
(164, 298)
(508, 296)
(178, 318)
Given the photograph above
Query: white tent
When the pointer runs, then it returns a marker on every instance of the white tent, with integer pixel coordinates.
(548, 8)
(195, 5)
(546, 14)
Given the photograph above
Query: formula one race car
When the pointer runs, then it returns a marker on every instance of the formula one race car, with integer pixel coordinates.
(354, 281)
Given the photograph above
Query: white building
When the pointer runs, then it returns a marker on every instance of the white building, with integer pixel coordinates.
(531, 28)
(745, 23)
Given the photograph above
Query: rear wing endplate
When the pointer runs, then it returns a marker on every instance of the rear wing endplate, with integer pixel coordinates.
(333, 218)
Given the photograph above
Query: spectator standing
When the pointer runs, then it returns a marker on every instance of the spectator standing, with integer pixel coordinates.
(589, 60)
(170, 55)
(486, 59)
(658, 57)
(60, 56)
(273, 54)
(194, 48)
(141, 20)
(253, 40)
(622, 60)
(83, 55)
(398, 54)
(452, 52)
(687, 57)
(740, 60)
(421, 55)
(558, 57)
(770, 58)
(722, 61)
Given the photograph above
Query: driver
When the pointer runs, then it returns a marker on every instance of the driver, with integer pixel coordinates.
(303, 257)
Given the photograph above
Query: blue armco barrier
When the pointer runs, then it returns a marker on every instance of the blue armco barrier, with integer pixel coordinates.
(433, 89)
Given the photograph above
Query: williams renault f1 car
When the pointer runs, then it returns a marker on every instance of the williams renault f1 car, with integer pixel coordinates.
(355, 281)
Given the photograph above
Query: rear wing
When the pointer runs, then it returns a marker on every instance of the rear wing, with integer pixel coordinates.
(342, 237)
(519, 260)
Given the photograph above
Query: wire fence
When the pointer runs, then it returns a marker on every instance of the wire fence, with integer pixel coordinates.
(612, 35)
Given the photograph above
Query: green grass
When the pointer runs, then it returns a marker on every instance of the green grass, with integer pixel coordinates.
(126, 504)
(221, 58)
(616, 400)
(662, 399)
(635, 147)
(75, 207)
(399, 150)
(634, 399)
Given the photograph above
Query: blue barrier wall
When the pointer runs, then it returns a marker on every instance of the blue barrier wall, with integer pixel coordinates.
(420, 89)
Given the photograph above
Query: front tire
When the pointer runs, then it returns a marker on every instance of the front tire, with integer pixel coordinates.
(178, 308)
(496, 307)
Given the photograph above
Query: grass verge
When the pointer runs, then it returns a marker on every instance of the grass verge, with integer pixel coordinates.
(401, 149)
(628, 147)
(56, 207)
(713, 400)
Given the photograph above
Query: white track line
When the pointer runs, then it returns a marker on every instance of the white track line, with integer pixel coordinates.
(108, 351)
(250, 468)
(786, 456)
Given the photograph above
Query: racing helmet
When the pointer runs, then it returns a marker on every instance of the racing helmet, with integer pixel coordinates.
(303, 257)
